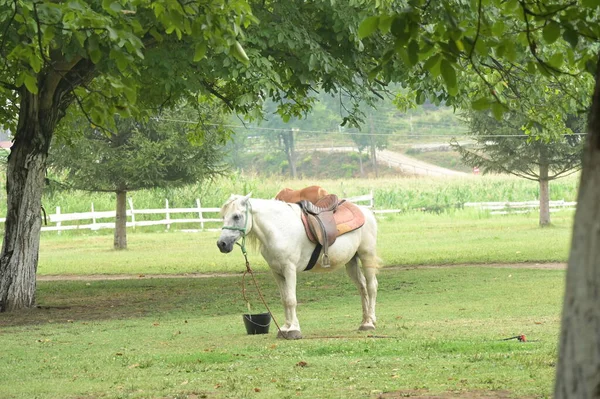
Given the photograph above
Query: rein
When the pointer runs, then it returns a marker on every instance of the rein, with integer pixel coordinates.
(242, 246)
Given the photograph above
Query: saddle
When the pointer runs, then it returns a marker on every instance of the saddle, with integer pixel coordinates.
(325, 218)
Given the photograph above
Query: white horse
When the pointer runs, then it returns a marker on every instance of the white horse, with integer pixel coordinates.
(277, 227)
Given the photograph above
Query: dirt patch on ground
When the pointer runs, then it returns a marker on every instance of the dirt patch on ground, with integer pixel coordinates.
(543, 266)
(99, 277)
(449, 395)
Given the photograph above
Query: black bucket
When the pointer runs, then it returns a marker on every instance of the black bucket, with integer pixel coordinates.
(257, 323)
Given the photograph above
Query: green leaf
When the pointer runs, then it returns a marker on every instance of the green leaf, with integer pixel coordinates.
(238, 52)
(35, 62)
(590, 3)
(120, 59)
(368, 26)
(497, 110)
(31, 83)
(398, 26)
(312, 62)
(480, 104)
(385, 23)
(448, 73)
(556, 60)
(413, 52)
(551, 32)
(200, 51)
(130, 93)
(95, 55)
(498, 28)
(432, 62)
(591, 66)
(571, 37)
(421, 97)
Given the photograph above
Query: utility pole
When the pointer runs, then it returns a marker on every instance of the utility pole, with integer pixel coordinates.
(373, 146)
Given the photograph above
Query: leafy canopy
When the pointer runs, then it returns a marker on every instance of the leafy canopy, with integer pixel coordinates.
(103, 55)
(446, 44)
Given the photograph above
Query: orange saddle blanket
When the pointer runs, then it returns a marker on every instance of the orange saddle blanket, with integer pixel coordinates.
(347, 216)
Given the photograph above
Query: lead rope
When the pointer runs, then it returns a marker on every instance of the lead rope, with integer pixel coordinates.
(249, 271)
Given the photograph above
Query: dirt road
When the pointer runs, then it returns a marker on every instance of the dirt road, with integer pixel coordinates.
(98, 277)
(413, 166)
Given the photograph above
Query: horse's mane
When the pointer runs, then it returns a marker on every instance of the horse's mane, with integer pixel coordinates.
(227, 205)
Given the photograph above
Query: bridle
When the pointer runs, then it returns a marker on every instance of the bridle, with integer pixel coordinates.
(243, 230)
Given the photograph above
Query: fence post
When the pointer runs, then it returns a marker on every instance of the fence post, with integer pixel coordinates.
(132, 212)
(372, 200)
(200, 214)
(93, 218)
(58, 224)
(168, 215)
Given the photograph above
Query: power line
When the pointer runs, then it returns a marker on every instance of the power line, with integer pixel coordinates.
(348, 133)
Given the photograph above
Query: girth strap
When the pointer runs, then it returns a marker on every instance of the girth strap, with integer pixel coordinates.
(314, 257)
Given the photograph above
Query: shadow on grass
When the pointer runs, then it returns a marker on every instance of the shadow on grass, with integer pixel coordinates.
(68, 301)
(81, 300)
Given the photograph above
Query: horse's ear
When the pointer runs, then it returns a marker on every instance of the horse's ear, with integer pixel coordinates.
(246, 198)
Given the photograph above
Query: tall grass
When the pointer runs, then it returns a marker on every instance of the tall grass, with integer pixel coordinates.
(390, 193)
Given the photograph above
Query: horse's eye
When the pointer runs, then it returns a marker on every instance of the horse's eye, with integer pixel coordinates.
(236, 217)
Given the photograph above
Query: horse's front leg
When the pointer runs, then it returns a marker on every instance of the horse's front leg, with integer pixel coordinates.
(286, 281)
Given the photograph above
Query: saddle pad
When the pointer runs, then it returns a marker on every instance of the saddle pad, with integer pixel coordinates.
(347, 217)
(311, 194)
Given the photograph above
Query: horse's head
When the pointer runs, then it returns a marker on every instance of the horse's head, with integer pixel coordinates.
(236, 221)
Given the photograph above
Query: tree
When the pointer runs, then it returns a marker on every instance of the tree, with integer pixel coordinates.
(448, 42)
(100, 55)
(371, 138)
(138, 155)
(287, 142)
(502, 147)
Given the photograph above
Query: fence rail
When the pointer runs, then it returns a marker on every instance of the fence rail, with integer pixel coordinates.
(205, 216)
(502, 208)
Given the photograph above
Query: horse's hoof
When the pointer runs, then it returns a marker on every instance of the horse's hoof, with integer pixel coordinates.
(290, 334)
(366, 327)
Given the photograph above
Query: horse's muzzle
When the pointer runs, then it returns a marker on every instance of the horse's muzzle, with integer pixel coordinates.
(225, 247)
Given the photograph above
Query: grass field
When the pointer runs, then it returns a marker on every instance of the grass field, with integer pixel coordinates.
(411, 239)
(439, 331)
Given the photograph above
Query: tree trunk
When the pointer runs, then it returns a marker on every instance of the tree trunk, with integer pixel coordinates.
(544, 195)
(578, 369)
(290, 151)
(373, 147)
(360, 162)
(121, 221)
(24, 185)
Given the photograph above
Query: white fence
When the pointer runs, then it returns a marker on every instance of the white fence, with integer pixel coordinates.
(96, 216)
(203, 216)
(503, 208)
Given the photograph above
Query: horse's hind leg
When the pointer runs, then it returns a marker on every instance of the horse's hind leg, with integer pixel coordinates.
(363, 283)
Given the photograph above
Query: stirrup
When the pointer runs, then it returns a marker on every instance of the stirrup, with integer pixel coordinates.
(325, 261)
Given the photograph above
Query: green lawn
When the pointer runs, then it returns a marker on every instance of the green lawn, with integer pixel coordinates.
(439, 330)
(410, 239)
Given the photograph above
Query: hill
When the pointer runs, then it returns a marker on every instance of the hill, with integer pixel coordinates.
(422, 133)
